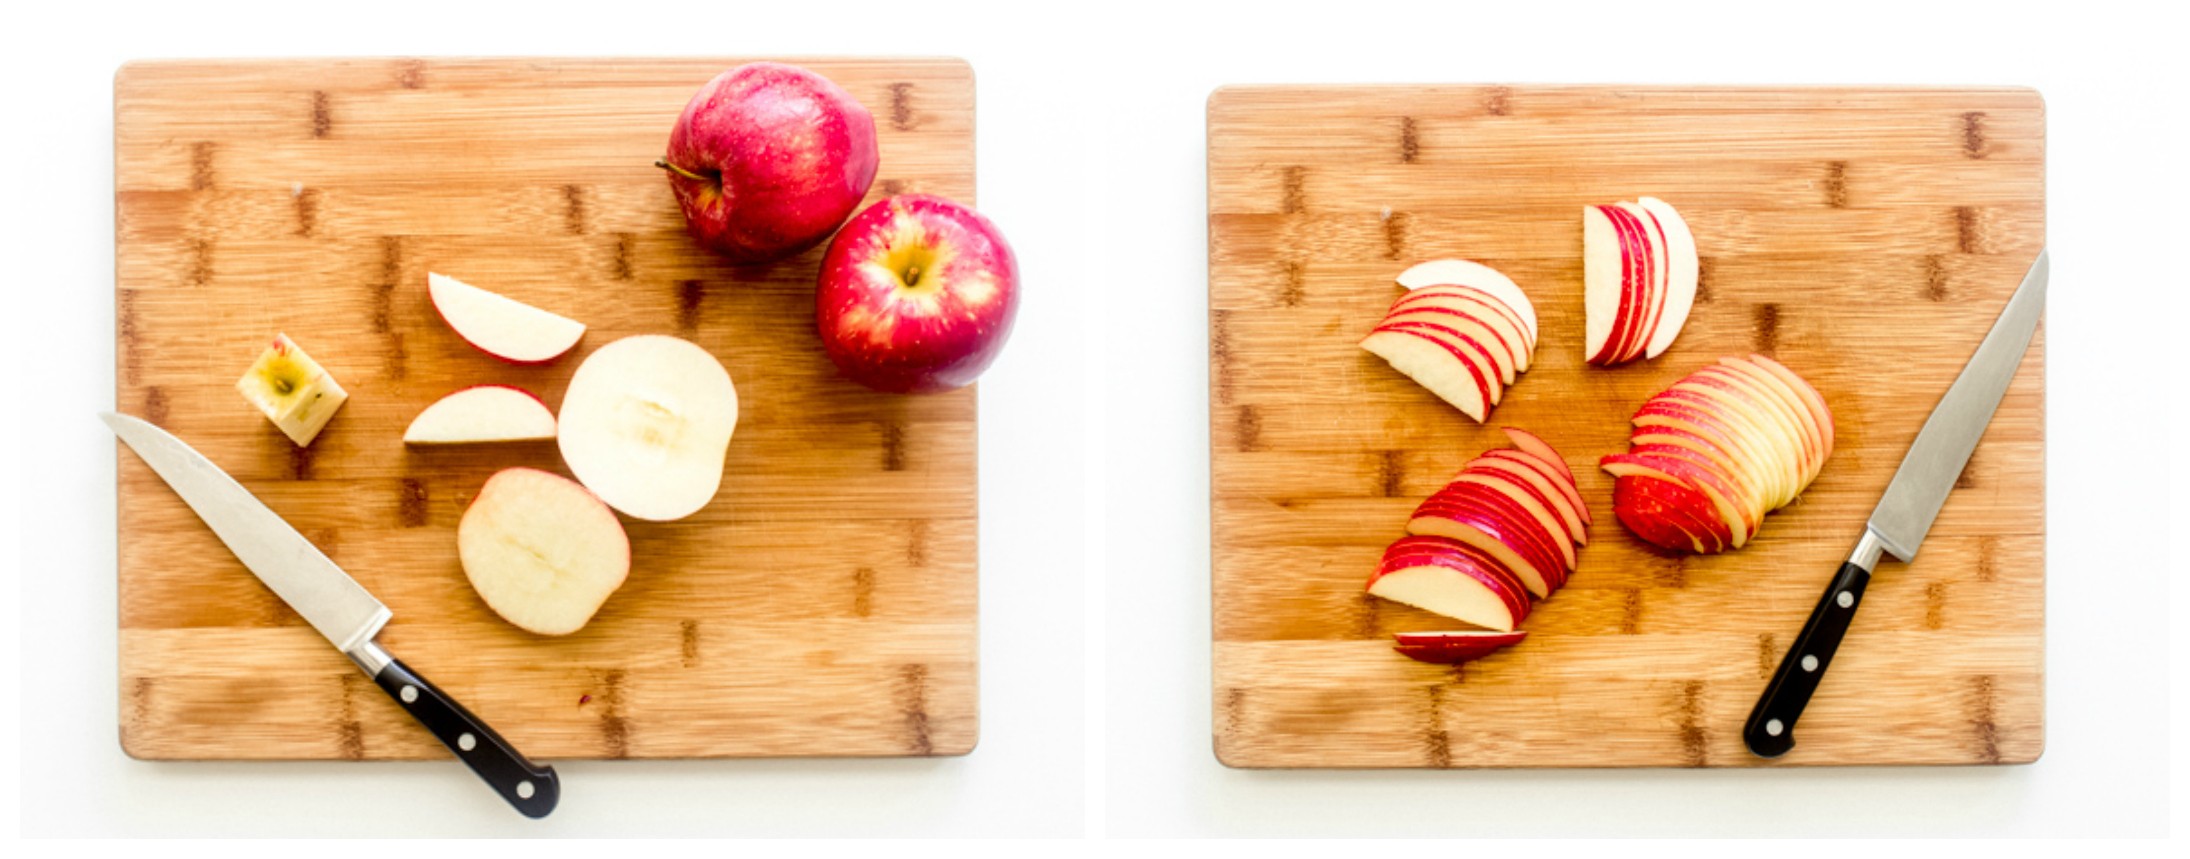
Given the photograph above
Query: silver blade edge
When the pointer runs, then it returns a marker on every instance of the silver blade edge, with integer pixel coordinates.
(297, 571)
(1943, 447)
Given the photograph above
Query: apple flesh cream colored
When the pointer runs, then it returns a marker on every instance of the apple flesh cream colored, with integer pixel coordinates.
(767, 159)
(541, 551)
(917, 295)
(1462, 330)
(482, 414)
(646, 423)
(499, 325)
(1506, 528)
(1716, 451)
(1639, 275)
(292, 390)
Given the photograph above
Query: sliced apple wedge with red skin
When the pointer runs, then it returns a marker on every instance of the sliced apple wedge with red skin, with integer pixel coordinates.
(1662, 523)
(1537, 506)
(1636, 270)
(1541, 546)
(1477, 303)
(1475, 274)
(1514, 542)
(1462, 324)
(1531, 444)
(1652, 306)
(1527, 460)
(1484, 355)
(1767, 405)
(1453, 579)
(1726, 505)
(1682, 271)
(1453, 648)
(1730, 482)
(1445, 369)
(499, 325)
(1821, 413)
(482, 413)
(1545, 489)
(1790, 403)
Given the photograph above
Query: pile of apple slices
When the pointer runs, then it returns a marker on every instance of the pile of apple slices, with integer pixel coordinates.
(1639, 279)
(1711, 455)
(1504, 531)
(645, 426)
(1462, 330)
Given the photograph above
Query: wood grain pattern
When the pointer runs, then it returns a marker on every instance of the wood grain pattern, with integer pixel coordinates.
(822, 605)
(1865, 238)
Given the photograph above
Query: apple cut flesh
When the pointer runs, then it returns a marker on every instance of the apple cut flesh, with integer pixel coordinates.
(1460, 324)
(1682, 271)
(1451, 579)
(542, 551)
(1643, 226)
(1718, 450)
(1617, 275)
(1547, 490)
(1530, 443)
(646, 424)
(1538, 507)
(1481, 305)
(1469, 273)
(1494, 534)
(1453, 648)
(292, 390)
(483, 413)
(1441, 368)
(499, 325)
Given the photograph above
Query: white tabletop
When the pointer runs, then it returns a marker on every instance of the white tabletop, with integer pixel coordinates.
(1095, 702)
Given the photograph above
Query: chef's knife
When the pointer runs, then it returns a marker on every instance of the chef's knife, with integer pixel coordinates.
(1904, 513)
(336, 606)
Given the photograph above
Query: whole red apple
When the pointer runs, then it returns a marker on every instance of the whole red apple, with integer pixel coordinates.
(917, 295)
(767, 159)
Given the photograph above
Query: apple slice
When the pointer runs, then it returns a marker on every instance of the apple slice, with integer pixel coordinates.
(1453, 648)
(1652, 305)
(1537, 506)
(1682, 270)
(1452, 579)
(1553, 495)
(1641, 503)
(1531, 443)
(501, 326)
(1435, 365)
(1606, 284)
(481, 414)
(1461, 323)
(1516, 528)
(646, 424)
(1467, 273)
(541, 551)
(1498, 535)
(1482, 305)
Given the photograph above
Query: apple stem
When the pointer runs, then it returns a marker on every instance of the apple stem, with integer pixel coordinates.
(912, 276)
(665, 165)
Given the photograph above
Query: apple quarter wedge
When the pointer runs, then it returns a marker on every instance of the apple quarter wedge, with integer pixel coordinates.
(482, 413)
(499, 325)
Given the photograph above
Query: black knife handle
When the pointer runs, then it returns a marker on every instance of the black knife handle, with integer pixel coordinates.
(531, 788)
(1771, 728)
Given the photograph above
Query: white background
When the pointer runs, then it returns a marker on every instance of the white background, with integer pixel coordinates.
(1094, 473)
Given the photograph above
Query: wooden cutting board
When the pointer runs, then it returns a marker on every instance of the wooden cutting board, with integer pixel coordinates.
(823, 604)
(1865, 237)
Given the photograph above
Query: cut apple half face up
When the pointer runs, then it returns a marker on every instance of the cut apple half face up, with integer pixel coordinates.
(542, 551)
(646, 424)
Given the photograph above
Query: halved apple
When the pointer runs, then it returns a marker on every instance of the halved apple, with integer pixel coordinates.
(499, 325)
(646, 423)
(541, 551)
(482, 413)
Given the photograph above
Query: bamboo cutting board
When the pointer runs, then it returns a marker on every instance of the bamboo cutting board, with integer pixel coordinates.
(822, 605)
(1865, 238)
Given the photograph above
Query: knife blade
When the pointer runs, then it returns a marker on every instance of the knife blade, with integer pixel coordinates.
(1904, 512)
(337, 606)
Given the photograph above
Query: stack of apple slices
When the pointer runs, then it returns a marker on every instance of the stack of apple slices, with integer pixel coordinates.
(1711, 455)
(1462, 330)
(1639, 279)
(1505, 530)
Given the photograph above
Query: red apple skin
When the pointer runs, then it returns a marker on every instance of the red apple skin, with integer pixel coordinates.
(941, 329)
(767, 159)
(1659, 522)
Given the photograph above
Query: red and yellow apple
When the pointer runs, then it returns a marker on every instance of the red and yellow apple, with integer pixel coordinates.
(917, 295)
(767, 159)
